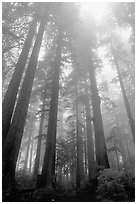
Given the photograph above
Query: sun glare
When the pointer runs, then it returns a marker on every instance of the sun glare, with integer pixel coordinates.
(95, 10)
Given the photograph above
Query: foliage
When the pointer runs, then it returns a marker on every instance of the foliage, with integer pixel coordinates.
(115, 186)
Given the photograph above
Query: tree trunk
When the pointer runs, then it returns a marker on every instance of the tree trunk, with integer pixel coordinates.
(127, 159)
(80, 168)
(37, 159)
(85, 156)
(47, 176)
(60, 174)
(90, 146)
(101, 153)
(119, 137)
(28, 147)
(116, 153)
(131, 162)
(131, 120)
(11, 94)
(31, 155)
(14, 137)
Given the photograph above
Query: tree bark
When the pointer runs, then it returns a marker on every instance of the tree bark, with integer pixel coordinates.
(120, 137)
(116, 153)
(47, 176)
(28, 147)
(90, 146)
(86, 158)
(80, 167)
(101, 153)
(60, 174)
(130, 117)
(37, 159)
(131, 162)
(31, 154)
(11, 94)
(14, 137)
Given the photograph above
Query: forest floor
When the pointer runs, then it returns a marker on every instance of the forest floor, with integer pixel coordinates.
(26, 191)
(63, 194)
(31, 195)
(67, 193)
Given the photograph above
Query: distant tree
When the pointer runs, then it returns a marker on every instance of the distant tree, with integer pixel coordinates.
(49, 158)
(114, 147)
(125, 15)
(80, 167)
(62, 24)
(130, 117)
(90, 144)
(28, 148)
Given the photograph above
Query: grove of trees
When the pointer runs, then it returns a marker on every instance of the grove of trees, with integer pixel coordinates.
(68, 110)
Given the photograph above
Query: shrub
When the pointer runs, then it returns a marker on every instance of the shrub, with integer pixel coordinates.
(128, 181)
(115, 186)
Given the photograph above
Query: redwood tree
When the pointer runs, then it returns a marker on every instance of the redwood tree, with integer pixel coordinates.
(90, 144)
(37, 159)
(28, 147)
(47, 176)
(11, 94)
(12, 144)
(101, 153)
(79, 165)
(130, 117)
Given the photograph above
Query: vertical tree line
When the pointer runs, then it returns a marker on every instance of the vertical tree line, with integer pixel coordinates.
(73, 140)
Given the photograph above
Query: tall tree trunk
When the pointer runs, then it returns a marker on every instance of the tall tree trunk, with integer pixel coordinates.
(14, 137)
(31, 154)
(85, 155)
(81, 155)
(60, 174)
(116, 153)
(127, 159)
(80, 167)
(131, 161)
(11, 94)
(101, 153)
(119, 137)
(47, 176)
(130, 117)
(28, 147)
(37, 159)
(90, 146)
(77, 166)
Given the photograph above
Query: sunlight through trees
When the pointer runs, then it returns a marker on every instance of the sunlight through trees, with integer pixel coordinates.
(68, 110)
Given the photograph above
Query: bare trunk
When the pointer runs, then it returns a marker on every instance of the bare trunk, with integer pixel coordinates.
(14, 137)
(90, 146)
(11, 94)
(131, 161)
(47, 176)
(28, 147)
(80, 167)
(60, 174)
(101, 153)
(85, 157)
(130, 117)
(31, 156)
(116, 154)
(37, 159)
